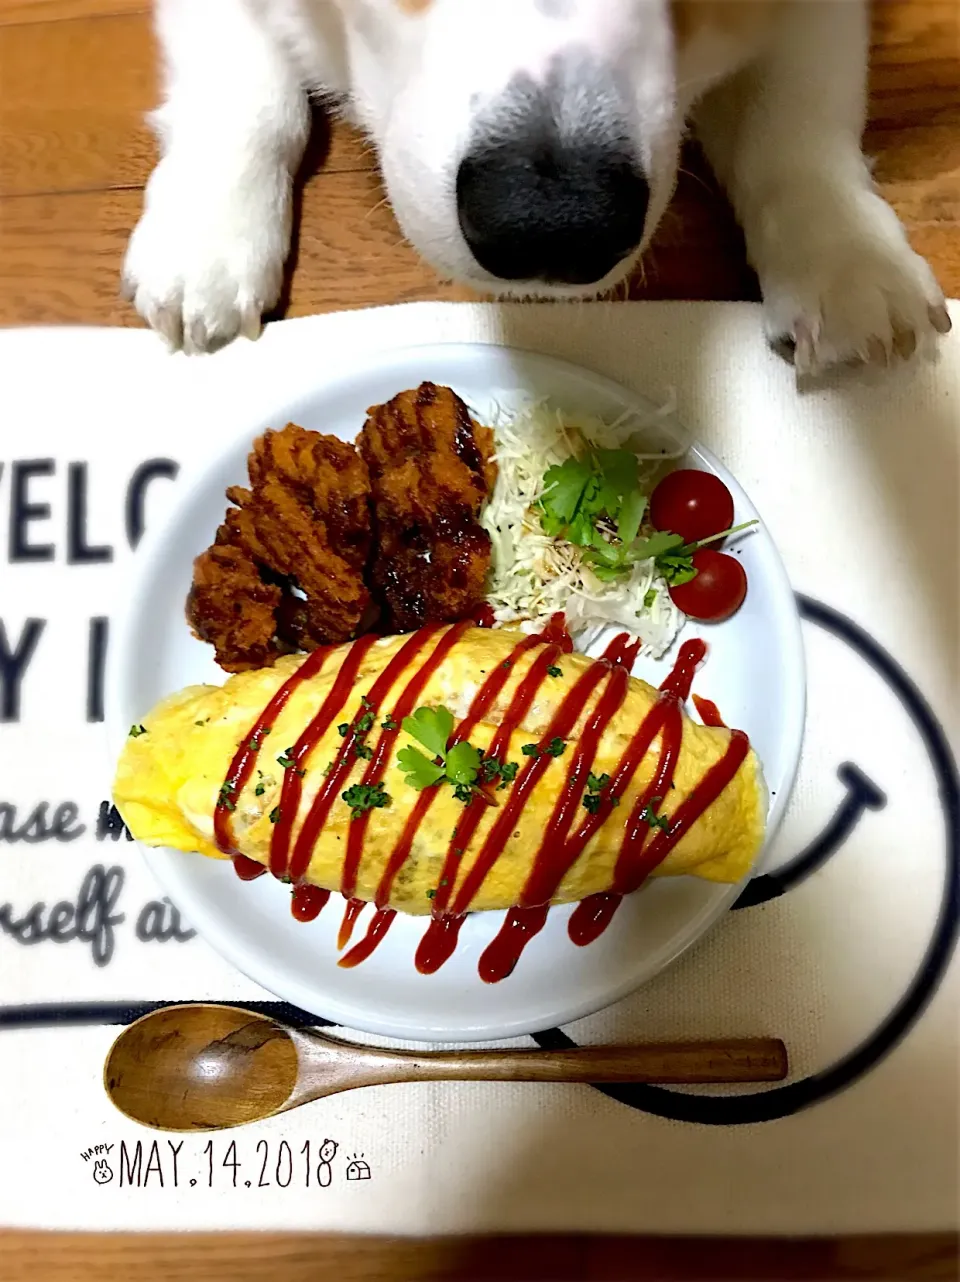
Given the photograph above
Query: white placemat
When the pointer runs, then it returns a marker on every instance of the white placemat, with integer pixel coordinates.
(843, 949)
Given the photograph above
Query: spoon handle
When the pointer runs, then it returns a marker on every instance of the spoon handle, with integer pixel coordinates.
(761, 1059)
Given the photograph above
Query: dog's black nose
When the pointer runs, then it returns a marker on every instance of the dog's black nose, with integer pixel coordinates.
(550, 211)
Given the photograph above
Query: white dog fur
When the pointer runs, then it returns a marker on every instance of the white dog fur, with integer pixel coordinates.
(775, 90)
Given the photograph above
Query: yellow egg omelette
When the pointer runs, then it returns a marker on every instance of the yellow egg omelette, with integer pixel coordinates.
(457, 768)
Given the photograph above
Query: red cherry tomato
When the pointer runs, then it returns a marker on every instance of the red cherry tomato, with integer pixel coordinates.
(692, 504)
(716, 592)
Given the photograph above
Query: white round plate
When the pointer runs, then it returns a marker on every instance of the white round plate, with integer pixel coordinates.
(754, 672)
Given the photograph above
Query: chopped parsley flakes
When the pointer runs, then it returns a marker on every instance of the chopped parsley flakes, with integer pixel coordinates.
(554, 671)
(361, 797)
(593, 797)
(491, 768)
(650, 817)
(137, 731)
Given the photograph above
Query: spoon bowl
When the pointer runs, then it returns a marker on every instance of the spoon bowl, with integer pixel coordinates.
(201, 1067)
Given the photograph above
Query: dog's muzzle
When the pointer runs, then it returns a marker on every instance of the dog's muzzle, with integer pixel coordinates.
(533, 209)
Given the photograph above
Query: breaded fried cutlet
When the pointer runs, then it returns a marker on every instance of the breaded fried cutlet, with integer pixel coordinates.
(287, 569)
(431, 471)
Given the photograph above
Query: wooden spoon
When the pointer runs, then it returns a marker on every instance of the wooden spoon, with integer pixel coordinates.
(204, 1067)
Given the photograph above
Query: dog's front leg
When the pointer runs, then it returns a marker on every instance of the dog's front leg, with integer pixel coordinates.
(206, 259)
(840, 282)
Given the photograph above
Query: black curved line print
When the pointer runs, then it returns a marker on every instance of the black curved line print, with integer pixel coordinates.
(782, 1101)
(862, 795)
(67, 1014)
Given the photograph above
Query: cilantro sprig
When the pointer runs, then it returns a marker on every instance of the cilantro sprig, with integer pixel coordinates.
(458, 765)
(595, 503)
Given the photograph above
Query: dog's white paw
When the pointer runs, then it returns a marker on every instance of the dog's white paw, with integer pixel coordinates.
(206, 261)
(846, 288)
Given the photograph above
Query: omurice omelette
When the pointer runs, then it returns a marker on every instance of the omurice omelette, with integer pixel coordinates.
(446, 771)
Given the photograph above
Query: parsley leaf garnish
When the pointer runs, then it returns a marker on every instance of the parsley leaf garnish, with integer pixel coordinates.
(361, 797)
(462, 763)
(342, 729)
(459, 765)
(554, 671)
(591, 802)
(432, 727)
(530, 750)
(556, 747)
(421, 772)
(388, 723)
(260, 789)
(362, 751)
(274, 814)
(137, 731)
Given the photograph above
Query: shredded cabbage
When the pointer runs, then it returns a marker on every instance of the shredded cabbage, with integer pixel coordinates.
(534, 575)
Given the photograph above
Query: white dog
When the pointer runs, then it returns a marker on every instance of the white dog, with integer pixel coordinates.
(529, 148)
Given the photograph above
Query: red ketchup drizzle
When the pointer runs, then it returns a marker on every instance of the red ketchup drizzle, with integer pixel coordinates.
(709, 712)
(591, 917)
(438, 943)
(637, 860)
(561, 725)
(554, 856)
(351, 911)
(377, 765)
(345, 758)
(247, 869)
(241, 767)
(691, 655)
(292, 786)
(555, 632)
(482, 702)
(501, 955)
(623, 650)
(378, 927)
(430, 953)
(307, 901)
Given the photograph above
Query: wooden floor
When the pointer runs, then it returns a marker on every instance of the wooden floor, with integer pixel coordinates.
(76, 77)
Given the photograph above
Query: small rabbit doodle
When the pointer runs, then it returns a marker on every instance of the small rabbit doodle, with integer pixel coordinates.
(101, 1171)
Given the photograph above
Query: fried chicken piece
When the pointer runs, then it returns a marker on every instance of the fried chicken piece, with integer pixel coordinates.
(232, 607)
(286, 570)
(431, 470)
